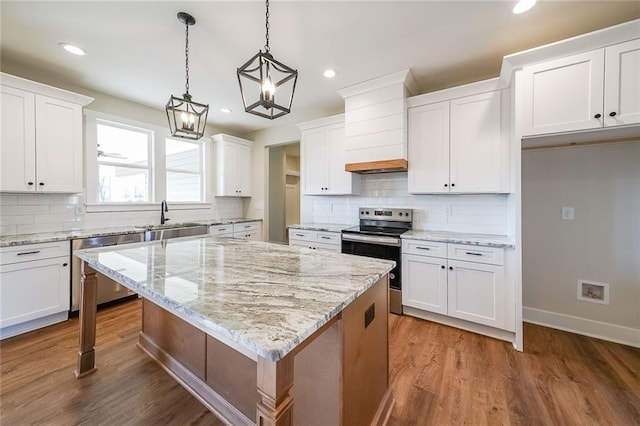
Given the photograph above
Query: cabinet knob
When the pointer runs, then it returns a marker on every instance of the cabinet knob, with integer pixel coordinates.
(65, 264)
(442, 266)
(451, 268)
(597, 116)
(41, 184)
(445, 185)
(30, 183)
(453, 184)
(612, 114)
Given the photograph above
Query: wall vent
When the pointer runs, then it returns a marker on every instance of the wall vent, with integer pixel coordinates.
(592, 291)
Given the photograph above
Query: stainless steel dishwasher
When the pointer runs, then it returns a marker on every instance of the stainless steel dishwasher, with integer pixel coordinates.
(108, 290)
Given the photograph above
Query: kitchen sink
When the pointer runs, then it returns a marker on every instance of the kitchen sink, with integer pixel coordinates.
(166, 231)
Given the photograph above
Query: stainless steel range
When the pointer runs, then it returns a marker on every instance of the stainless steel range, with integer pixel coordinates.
(378, 235)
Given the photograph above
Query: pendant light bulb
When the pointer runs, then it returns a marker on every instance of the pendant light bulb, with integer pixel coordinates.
(268, 89)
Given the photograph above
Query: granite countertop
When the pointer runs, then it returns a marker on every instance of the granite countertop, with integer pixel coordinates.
(266, 298)
(326, 227)
(489, 240)
(47, 237)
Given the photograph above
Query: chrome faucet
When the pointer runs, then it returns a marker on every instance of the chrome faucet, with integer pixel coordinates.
(163, 210)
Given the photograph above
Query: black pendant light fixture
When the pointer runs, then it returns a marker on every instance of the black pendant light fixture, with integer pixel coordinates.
(187, 119)
(263, 76)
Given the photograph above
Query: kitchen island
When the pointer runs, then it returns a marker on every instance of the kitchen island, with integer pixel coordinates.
(250, 328)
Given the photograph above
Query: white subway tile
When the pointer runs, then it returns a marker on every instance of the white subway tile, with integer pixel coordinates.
(16, 220)
(8, 230)
(38, 228)
(24, 210)
(8, 200)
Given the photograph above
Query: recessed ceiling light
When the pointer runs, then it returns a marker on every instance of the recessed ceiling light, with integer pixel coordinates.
(225, 110)
(329, 73)
(523, 5)
(72, 49)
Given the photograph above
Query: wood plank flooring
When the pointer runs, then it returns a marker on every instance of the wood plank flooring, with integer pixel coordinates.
(440, 376)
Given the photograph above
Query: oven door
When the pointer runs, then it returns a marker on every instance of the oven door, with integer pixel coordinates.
(380, 248)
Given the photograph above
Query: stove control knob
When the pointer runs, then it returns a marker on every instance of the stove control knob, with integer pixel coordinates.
(400, 214)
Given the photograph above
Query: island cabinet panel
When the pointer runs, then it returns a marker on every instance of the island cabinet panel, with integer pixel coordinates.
(365, 342)
(177, 338)
(233, 376)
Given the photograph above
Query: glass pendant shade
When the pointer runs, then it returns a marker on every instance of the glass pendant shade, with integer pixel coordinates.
(187, 119)
(267, 86)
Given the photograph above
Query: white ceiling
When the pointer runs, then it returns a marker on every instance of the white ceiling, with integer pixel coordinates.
(136, 49)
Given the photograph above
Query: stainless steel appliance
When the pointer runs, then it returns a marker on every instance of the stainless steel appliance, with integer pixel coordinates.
(378, 235)
(108, 290)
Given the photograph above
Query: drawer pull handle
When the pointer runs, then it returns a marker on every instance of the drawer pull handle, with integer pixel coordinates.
(423, 248)
(222, 229)
(247, 226)
(29, 252)
(299, 235)
(324, 237)
(473, 254)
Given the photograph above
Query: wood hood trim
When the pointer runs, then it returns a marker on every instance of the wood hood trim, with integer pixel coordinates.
(384, 166)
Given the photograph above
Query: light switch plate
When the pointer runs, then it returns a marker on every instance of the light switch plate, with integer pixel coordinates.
(567, 213)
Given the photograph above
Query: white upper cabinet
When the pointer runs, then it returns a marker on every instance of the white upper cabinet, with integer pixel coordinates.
(41, 145)
(232, 163)
(622, 84)
(459, 146)
(322, 151)
(584, 91)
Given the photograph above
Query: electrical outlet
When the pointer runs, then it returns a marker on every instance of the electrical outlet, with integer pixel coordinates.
(447, 210)
(567, 213)
(80, 209)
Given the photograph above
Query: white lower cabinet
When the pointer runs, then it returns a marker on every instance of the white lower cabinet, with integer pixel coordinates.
(316, 240)
(34, 286)
(457, 280)
(247, 230)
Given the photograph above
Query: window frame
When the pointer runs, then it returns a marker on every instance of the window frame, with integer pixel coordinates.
(157, 166)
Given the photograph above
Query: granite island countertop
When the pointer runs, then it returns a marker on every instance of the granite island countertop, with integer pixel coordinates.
(266, 298)
(47, 237)
(489, 240)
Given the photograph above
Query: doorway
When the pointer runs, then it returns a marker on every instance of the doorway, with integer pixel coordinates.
(284, 190)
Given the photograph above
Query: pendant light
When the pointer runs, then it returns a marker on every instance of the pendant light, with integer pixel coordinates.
(187, 119)
(263, 76)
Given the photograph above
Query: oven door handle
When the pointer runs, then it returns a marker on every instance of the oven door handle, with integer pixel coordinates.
(384, 241)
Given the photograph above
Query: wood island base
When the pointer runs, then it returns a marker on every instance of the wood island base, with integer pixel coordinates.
(337, 376)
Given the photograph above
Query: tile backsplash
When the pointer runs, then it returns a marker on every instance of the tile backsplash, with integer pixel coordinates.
(34, 213)
(482, 213)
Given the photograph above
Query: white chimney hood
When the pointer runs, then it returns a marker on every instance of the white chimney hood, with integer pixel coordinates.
(375, 123)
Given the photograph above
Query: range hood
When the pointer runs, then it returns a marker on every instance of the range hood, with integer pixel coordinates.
(375, 123)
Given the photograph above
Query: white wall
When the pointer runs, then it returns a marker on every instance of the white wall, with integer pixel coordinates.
(484, 213)
(602, 243)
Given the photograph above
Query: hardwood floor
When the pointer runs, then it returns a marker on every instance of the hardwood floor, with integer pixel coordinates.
(440, 376)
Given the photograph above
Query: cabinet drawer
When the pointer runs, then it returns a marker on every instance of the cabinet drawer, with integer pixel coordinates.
(246, 226)
(424, 248)
(301, 234)
(479, 254)
(329, 237)
(29, 252)
(221, 230)
(248, 235)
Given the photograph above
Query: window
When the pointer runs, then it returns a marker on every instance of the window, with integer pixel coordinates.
(184, 164)
(123, 163)
(131, 163)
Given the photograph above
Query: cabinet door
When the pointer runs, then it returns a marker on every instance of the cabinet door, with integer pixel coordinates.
(17, 140)
(424, 283)
(58, 145)
(242, 169)
(622, 84)
(477, 144)
(31, 290)
(339, 181)
(564, 95)
(314, 162)
(428, 148)
(476, 293)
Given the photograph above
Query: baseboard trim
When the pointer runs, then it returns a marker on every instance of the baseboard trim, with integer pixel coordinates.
(586, 327)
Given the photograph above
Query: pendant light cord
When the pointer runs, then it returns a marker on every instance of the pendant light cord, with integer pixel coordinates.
(266, 46)
(186, 54)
